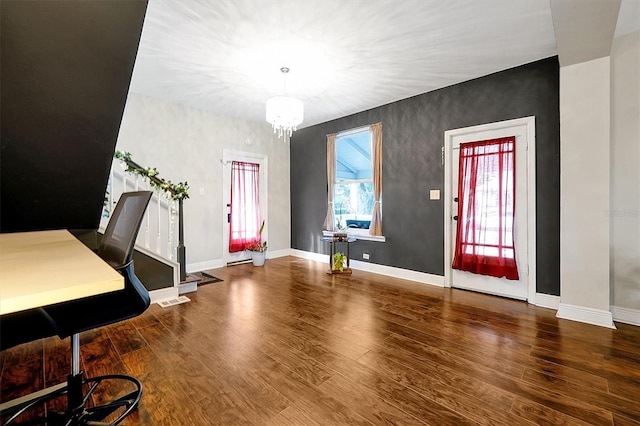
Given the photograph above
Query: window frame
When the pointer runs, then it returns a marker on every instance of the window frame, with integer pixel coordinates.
(359, 233)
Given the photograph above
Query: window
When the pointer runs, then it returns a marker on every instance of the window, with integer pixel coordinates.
(354, 181)
(353, 189)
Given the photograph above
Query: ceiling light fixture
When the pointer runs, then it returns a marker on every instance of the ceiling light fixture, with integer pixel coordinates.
(284, 113)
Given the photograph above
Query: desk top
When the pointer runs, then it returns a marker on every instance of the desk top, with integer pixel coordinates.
(45, 267)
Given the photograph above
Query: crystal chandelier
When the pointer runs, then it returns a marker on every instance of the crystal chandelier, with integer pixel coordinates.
(284, 112)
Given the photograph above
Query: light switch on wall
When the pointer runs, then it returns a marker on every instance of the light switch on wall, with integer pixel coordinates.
(434, 194)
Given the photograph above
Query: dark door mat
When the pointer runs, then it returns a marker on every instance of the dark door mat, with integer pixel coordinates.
(204, 278)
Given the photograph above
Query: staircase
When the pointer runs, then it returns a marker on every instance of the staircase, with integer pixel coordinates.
(157, 246)
(65, 70)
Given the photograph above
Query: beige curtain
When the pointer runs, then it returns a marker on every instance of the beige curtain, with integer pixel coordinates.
(375, 228)
(330, 221)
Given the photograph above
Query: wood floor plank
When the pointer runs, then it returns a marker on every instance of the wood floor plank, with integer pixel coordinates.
(500, 350)
(57, 360)
(617, 405)
(293, 416)
(288, 344)
(595, 365)
(327, 412)
(543, 415)
(473, 398)
(572, 375)
(22, 353)
(624, 421)
(412, 341)
(560, 402)
(125, 337)
(370, 405)
(20, 380)
(624, 387)
(247, 390)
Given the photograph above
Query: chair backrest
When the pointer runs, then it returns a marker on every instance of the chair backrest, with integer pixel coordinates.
(116, 246)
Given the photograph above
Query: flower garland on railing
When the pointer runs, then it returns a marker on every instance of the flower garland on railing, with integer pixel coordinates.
(176, 191)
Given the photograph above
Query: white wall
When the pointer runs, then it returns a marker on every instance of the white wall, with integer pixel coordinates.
(584, 189)
(625, 173)
(186, 144)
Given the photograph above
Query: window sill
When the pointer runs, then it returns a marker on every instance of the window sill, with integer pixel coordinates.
(364, 235)
(367, 237)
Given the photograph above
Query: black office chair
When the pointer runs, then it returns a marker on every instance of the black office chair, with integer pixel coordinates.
(24, 326)
(73, 317)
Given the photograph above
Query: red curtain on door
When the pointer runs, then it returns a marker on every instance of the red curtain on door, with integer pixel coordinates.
(486, 207)
(244, 223)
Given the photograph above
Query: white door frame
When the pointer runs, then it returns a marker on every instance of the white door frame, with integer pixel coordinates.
(228, 156)
(530, 125)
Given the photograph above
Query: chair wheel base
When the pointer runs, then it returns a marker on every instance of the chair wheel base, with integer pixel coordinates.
(116, 410)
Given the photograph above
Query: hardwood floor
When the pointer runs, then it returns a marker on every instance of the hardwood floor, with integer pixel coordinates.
(287, 344)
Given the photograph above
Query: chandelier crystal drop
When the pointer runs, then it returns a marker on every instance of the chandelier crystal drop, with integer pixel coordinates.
(284, 113)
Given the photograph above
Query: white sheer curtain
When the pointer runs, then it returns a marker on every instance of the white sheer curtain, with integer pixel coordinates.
(330, 221)
(375, 228)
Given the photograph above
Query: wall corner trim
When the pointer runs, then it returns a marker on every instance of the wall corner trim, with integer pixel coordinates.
(547, 301)
(586, 315)
(626, 315)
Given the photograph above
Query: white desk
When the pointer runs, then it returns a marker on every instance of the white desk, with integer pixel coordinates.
(45, 267)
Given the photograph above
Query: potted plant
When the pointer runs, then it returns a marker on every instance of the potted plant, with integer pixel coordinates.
(258, 249)
(339, 262)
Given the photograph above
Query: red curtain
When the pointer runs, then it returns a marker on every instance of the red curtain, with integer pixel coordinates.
(244, 226)
(486, 207)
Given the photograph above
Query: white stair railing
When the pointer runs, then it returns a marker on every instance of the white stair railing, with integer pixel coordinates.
(160, 226)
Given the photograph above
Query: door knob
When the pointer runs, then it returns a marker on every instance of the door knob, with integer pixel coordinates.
(455, 217)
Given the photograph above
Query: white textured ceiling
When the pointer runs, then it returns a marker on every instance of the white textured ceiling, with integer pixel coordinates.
(345, 56)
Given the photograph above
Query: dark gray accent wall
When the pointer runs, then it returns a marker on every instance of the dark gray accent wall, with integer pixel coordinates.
(412, 138)
(65, 71)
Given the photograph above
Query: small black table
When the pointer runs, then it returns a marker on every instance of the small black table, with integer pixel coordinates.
(332, 241)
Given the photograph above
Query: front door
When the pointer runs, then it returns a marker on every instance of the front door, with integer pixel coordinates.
(517, 289)
(248, 200)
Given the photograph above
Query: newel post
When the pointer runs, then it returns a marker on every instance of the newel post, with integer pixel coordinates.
(181, 248)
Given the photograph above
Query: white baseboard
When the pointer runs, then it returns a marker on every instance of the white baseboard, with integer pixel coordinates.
(390, 271)
(318, 257)
(586, 315)
(278, 253)
(626, 315)
(547, 301)
(219, 263)
(203, 266)
(163, 294)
